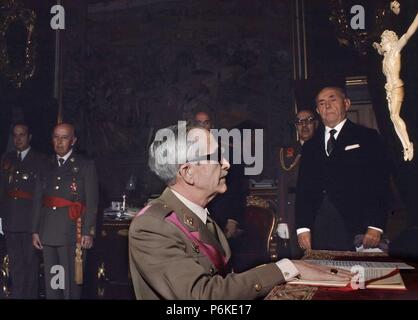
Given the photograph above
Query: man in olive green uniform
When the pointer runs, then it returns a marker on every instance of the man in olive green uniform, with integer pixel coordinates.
(65, 212)
(176, 250)
(289, 159)
(20, 169)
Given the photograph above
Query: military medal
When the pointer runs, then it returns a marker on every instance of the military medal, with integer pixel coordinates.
(290, 152)
(73, 187)
(195, 247)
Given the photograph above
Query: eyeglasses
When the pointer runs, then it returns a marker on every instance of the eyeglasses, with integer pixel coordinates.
(217, 156)
(301, 122)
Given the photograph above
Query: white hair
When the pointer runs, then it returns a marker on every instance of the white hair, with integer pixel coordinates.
(170, 149)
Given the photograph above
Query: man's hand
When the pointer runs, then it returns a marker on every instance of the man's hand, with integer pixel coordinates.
(304, 240)
(310, 271)
(86, 242)
(36, 241)
(372, 238)
(231, 229)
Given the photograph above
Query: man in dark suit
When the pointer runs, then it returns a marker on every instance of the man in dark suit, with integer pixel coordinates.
(20, 169)
(343, 179)
(65, 209)
(176, 250)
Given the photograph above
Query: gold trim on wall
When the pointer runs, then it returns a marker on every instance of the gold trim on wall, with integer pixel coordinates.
(17, 13)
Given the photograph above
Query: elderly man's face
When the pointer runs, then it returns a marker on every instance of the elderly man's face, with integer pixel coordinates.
(208, 175)
(63, 139)
(305, 125)
(21, 137)
(203, 119)
(332, 106)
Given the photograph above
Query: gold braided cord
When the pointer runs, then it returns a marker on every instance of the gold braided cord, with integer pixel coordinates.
(294, 163)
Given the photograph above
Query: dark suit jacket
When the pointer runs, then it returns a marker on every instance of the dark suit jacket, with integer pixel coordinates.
(53, 224)
(15, 176)
(354, 177)
(165, 264)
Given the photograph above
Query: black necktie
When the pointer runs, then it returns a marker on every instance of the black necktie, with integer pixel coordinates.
(19, 156)
(61, 161)
(331, 141)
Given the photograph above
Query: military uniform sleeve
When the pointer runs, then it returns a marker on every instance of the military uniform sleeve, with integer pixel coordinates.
(37, 205)
(158, 253)
(91, 198)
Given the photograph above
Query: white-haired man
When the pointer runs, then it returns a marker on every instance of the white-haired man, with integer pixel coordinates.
(176, 250)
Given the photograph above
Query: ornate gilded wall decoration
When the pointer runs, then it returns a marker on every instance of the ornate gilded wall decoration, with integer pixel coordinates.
(13, 12)
(360, 39)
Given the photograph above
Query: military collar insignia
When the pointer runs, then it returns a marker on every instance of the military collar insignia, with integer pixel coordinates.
(188, 220)
(72, 159)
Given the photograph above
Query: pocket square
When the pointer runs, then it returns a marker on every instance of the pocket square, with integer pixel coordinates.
(353, 146)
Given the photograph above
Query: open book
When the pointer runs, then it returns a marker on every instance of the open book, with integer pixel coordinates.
(371, 275)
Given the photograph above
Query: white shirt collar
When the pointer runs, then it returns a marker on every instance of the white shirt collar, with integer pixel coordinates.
(202, 213)
(24, 152)
(338, 128)
(66, 156)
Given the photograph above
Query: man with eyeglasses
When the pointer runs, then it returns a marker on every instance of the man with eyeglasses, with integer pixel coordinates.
(176, 250)
(289, 159)
(202, 119)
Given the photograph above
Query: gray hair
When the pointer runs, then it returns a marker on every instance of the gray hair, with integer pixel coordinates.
(169, 150)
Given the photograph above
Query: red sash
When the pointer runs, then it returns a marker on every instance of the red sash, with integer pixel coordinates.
(75, 209)
(218, 260)
(19, 194)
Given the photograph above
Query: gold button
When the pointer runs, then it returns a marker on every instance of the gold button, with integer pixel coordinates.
(15, 198)
(58, 178)
(257, 287)
(57, 187)
(17, 172)
(54, 208)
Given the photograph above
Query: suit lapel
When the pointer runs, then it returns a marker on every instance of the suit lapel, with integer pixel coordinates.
(194, 224)
(320, 141)
(343, 138)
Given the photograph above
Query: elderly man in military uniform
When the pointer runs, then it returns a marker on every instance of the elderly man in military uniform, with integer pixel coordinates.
(20, 169)
(65, 212)
(176, 249)
(289, 159)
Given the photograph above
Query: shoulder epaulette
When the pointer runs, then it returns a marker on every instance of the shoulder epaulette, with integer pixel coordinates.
(158, 209)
